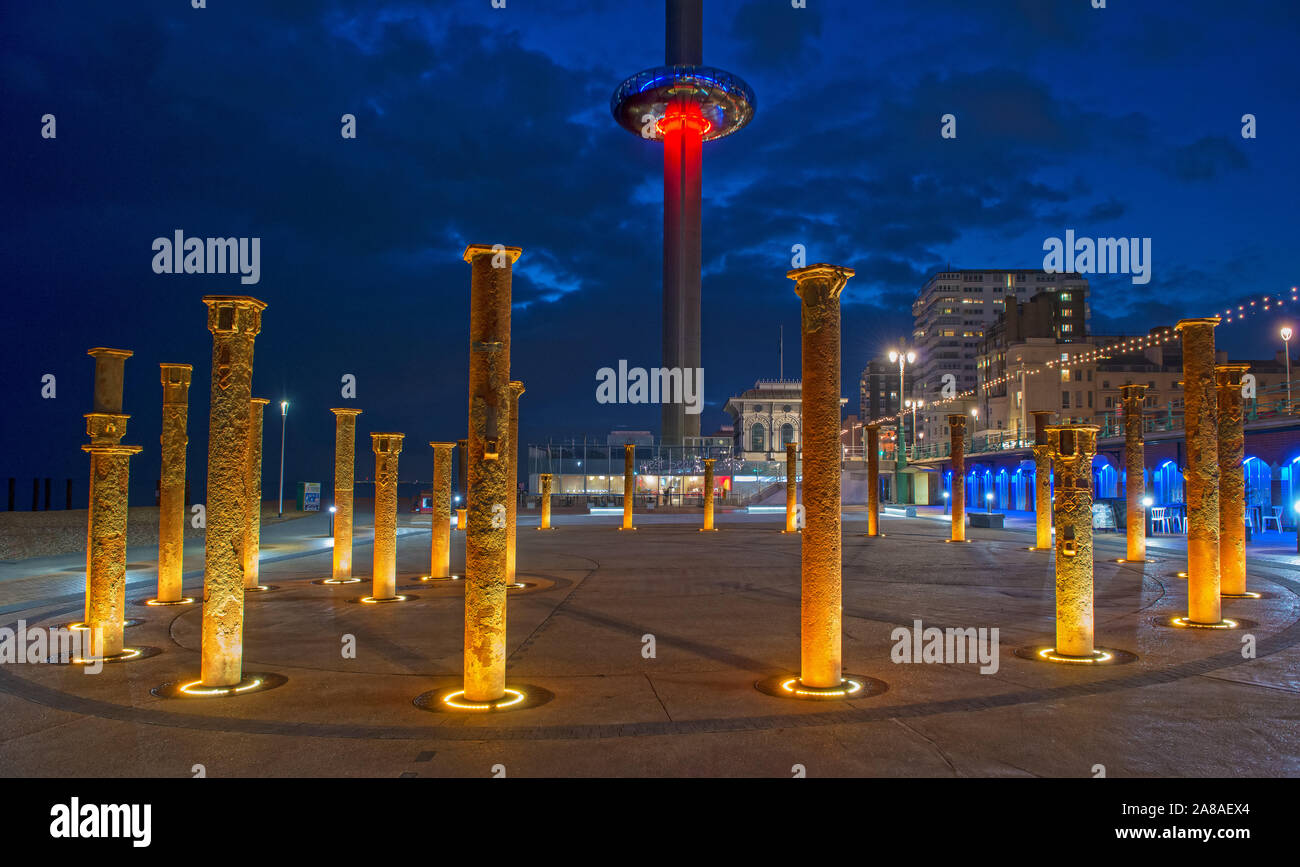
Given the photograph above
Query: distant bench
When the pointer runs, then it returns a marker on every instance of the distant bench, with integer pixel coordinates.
(987, 520)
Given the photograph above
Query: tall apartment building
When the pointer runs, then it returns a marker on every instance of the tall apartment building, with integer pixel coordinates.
(956, 308)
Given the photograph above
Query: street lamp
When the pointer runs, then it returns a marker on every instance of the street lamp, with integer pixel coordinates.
(903, 358)
(284, 415)
(1286, 350)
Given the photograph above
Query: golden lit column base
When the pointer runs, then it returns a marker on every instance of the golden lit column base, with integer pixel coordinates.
(184, 600)
(261, 588)
(963, 542)
(371, 600)
(81, 624)
(1182, 621)
(452, 700)
(334, 582)
(1249, 594)
(791, 532)
(128, 654)
(621, 529)
(1100, 656)
(543, 528)
(853, 686)
(708, 529)
(430, 578)
(1129, 562)
(252, 682)
(1036, 548)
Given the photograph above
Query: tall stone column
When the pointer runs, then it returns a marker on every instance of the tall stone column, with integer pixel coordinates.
(171, 487)
(1134, 397)
(512, 465)
(791, 487)
(1232, 481)
(488, 476)
(821, 661)
(440, 545)
(545, 479)
(629, 485)
(873, 479)
(1073, 447)
(107, 519)
(1042, 481)
(235, 321)
(387, 448)
(345, 457)
(957, 425)
(252, 547)
(708, 495)
(1201, 428)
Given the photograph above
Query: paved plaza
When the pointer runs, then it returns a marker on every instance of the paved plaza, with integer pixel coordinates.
(649, 645)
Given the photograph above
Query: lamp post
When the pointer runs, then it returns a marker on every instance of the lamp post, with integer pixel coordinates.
(1286, 350)
(900, 443)
(284, 416)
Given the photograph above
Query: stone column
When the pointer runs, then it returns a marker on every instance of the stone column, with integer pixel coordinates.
(957, 424)
(708, 495)
(873, 479)
(345, 456)
(251, 548)
(821, 660)
(1134, 396)
(1073, 447)
(512, 466)
(1042, 481)
(235, 321)
(1232, 481)
(107, 519)
(1201, 428)
(387, 448)
(629, 485)
(545, 479)
(791, 487)
(440, 545)
(488, 476)
(171, 487)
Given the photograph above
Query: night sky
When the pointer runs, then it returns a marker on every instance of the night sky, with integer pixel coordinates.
(486, 125)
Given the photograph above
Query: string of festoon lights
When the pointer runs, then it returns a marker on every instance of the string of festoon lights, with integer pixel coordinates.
(1167, 334)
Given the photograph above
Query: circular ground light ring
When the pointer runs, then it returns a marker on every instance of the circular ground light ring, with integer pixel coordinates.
(853, 686)
(128, 654)
(252, 682)
(451, 700)
(1100, 656)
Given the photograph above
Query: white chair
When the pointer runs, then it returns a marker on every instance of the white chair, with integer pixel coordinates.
(1275, 518)
(1159, 520)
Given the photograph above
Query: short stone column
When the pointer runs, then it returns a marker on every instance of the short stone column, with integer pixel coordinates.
(791, 488)
(708, 495)
(1201, 429)
(1042, 481)
(629, 484)
(1134, 397)
(1232, 481)
(545, 480)
(171, 486)
(387, 448)
(252, 546)
(345, 456)
(440, 543)
(873, 479)
(1073, 447)
(957, 425)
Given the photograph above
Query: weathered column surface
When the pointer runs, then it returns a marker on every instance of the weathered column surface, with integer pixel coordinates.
(1042, 481)
(512, 465)
(629, 485)
(1201, 429)
(387, 448)
(171, 487)
(791, 487)
(105, 618)
(345, 456)
(545, 480)
(708, 494)
(252, 546)
(821, 660)
(440, 543)
(1232, 480)
(873, 479)
(1073, 447)
(957, 425)
(487, 474)
(1134, 397)
(235, 321)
